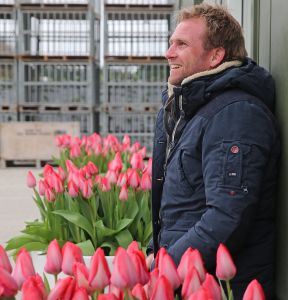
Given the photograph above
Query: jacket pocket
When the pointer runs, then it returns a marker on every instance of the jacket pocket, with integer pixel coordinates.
(234, 159)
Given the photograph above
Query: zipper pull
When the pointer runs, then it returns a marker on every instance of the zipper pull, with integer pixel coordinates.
(245, 189)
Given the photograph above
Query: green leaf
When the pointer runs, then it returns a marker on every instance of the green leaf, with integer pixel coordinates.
(112, 246)
(87, 247)
(124, 238)
(22, 240)
(123, 224)
(46, 283)
(35, 246)
(102, 230)
(76, 219)
(41, 230)
(147, 233)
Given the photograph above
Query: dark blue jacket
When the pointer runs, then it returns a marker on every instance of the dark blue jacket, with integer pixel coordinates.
(215, 156)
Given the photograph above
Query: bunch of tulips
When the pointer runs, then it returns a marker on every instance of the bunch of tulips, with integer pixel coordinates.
(127, 278)
(96, 195)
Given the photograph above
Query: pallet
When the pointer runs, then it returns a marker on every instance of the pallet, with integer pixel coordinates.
(134, 59)
(35, 163)
(54, 108)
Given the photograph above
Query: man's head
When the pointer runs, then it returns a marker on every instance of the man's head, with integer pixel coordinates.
(205, 37)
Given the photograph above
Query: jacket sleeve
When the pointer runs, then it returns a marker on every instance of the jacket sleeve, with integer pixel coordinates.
(236, 149)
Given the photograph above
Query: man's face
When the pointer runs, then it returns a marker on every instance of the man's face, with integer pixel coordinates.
(186, 55)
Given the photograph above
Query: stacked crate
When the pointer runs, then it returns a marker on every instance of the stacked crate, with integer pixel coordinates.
(135, 69)
(52, 64)
(8, 64)
(59, 62)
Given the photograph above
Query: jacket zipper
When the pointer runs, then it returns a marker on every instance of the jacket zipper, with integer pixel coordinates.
(171, 143)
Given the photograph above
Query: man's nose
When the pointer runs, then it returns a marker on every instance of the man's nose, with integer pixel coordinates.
(170, 53)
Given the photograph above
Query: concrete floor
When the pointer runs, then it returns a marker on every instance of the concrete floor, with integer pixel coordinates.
(16, 202)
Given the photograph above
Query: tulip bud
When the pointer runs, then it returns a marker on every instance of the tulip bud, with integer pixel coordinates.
(71, 254)
(123, 196)
(163, 289)
(254, 291)
(225, 268)
(30, 180)
(34, 288)
(4, 260)
(8, 285)
(53, 258)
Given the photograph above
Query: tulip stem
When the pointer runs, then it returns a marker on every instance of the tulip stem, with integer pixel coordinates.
(55, 278)
(229, 290)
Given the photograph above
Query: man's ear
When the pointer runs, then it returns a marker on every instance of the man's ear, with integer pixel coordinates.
(216, 57)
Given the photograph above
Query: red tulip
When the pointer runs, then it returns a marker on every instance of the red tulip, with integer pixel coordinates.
(50, 196)
(122, 179)
(8, 285)
(92, 168)
(123, 196)
(47, 170)
(86, 189)
(168, 268)
(30, 180)
(34, 288)
(149, 287)
(104, 185)
(42, 186)
(116, 291)
(135, 147)
(138, 292)
(146, 183)
(99, 275)
(53, 258)
(116, 164)
(225, 268)
(163, 289)
(126, 140)
(81, 275)
(63, 289)
(123, 275)
(71, 254)
(23, 267)
(212, 287)
(80, 294)
(191, 283)
(61, 173)
(4, 260)
(254, 291)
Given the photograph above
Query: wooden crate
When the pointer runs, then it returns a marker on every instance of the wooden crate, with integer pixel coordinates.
(32, 141)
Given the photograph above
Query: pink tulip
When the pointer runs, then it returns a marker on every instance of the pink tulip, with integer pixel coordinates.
(30, 180)
(81, 275)
(123, 275)
(99, 275)
(138, 259)
(163, 289)
(86, 190)
(73, 190)
(123, 196)
(134, 179)
(146, 183)
(63, 289)
(80, 294)
(122, 179)
(148, 168)
(168, 268)
(4, 260)
(97, 149)
(135, 147)
(109, 296)
(116, 291)
(42, 186)
(225, 268)
(53, 258)
(136, 161)
(8, 285)
(116, 163)
(138, 292)
(191, 258)
(154, 275)
(200, 294)
(61, 173)
(191, 283)
(111, 176)
(70, 166)
(212, 287)
(254, 291)
(143, 151)
(104, 185)
(75, 151)
(47, 170)
(92, 168)
(126, 140)
(34, 288)
(49, 195)
(71, 254)
(23, 267)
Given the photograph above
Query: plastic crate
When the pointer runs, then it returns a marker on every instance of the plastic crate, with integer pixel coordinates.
(137, 33)
(7, 31)
(8, 73)
(59, 32)
(58, 83)
(8, 116)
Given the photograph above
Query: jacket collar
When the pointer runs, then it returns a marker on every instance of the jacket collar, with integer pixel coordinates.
(220, 68)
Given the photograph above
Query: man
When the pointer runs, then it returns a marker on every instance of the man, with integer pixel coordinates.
(215, 151)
